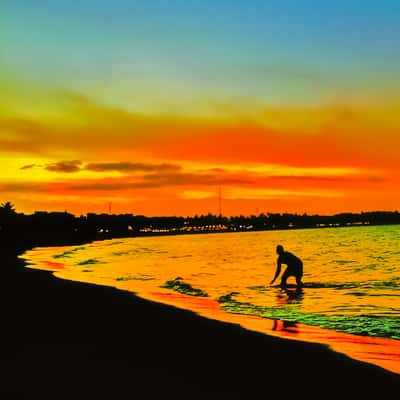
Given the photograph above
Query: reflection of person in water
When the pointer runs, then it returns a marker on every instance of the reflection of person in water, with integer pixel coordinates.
(289, 296)
(285, 326)
(294, 267)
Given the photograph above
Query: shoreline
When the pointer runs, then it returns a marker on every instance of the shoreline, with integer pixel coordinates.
(64, 337)
(379, 351)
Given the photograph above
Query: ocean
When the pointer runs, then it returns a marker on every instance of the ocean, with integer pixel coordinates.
(351, 291)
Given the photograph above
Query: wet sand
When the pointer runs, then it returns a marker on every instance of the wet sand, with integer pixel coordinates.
(374, 350)
(63, 339)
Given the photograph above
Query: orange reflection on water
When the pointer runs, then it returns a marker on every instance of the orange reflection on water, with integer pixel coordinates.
(54, 264)
(379, 351)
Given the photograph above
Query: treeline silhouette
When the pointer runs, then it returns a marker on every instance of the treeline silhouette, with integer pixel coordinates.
(18, 230)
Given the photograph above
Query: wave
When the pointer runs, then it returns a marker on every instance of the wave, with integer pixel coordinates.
(391, 284)
(89, 261)
(115, 243)
(310, 285)
(365, 325)
(178, 285)
(134, 278)
(68, 253)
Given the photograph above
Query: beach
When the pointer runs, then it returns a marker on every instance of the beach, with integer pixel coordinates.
(62, 338)
(199, 200)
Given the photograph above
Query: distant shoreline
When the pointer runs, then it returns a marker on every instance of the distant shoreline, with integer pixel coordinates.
(22, 247)
(57, 228)
(106, 236)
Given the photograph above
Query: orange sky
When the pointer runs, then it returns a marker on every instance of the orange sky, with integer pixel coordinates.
(83, 155)
(276, 107)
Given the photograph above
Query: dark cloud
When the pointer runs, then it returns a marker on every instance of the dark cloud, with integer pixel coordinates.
(127, 166)
(25, 187)
(335, 179)
(123, 166)
(106, 186)
(29, 166)
(64, 166)
(179, 179)
(164, 180)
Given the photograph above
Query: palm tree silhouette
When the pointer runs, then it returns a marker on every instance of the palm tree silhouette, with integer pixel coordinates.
(7, 208)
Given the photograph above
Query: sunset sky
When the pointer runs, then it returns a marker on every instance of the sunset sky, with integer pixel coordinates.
(156, 105)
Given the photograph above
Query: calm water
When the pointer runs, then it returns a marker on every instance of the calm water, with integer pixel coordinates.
(351, 275)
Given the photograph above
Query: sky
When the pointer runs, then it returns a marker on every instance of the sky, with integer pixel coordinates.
(156, 107)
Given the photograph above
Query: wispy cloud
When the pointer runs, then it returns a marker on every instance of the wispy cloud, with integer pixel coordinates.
(25, 187)
(161, 180)
(29, 166)
(175, 178)
(64, 166)
(72, 166)
(126, 166)
(139, 175)
(254, 193)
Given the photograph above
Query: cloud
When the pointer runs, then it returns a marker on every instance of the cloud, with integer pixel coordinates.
(126, 166)
(64, 166)
(195, 179)
(222, 178)
(83, 126)
(71, 166)
(25, 187)
(257, 193)
(326, 135)
(181, 179)
(314, 179)
(161, 180)
(29, 166)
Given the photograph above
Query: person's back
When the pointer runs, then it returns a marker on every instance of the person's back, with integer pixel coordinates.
(289, 259)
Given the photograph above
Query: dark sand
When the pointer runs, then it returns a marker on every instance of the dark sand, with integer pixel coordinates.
(62, 339)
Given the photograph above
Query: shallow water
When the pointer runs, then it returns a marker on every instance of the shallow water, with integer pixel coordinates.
(351, 276)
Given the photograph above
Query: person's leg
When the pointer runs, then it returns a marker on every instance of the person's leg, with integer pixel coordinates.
(284, 278)
(299, 275)
(298, 281)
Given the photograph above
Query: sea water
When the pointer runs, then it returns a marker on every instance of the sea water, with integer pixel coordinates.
(351, 275)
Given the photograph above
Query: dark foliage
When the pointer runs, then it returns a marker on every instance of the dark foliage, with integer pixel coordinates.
(19, 230)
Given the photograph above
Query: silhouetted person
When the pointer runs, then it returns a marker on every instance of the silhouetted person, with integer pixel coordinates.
(294, 267)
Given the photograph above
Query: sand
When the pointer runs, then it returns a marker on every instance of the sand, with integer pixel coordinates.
(63, 339)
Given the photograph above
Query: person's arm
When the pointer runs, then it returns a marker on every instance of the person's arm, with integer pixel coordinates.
(277, 272)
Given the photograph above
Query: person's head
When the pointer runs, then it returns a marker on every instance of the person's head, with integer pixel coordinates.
(279, 249)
